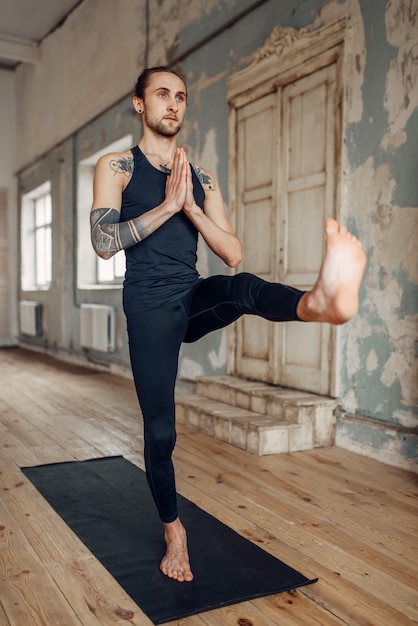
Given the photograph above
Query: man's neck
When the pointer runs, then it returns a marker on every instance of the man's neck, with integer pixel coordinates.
(158, 146)
(159, 151)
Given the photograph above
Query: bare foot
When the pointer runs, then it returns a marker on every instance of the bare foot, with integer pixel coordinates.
(334, 298)
(175, 563)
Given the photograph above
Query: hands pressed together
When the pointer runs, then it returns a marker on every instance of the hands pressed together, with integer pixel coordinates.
(212, 222)
(179, 186)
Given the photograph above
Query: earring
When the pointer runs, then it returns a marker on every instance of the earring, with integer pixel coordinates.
(139, 110)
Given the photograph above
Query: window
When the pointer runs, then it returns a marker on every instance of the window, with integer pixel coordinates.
(111, 270)
(36, 238)
(92, 271)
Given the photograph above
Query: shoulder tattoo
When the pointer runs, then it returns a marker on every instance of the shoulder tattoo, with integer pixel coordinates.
(206, 180)
(124, 165)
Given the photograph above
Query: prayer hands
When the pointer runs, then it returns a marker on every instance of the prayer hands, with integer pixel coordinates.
(179, 187)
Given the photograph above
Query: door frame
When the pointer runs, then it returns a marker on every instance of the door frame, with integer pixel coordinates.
(286, 56)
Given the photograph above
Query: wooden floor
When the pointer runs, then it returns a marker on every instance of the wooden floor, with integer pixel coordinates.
(347, 519)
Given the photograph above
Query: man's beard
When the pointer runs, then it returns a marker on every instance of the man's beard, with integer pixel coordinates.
(160, 128)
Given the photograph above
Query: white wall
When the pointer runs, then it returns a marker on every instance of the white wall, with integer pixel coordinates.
(90, 63)
(87, 65)
(8, 209)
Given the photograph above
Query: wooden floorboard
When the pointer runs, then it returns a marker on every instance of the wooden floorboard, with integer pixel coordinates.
(347, 519)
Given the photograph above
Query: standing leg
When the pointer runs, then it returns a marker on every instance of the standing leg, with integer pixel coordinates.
(154, 343)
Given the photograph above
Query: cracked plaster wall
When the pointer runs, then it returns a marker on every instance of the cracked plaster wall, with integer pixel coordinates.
(379, 370)
(379, 197)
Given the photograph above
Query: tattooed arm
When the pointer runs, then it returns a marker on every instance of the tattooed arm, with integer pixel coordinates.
(108, 234)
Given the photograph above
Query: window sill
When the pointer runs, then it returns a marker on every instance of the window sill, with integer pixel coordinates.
(96, 287)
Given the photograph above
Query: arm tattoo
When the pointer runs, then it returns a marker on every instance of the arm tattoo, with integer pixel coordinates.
(124, 165)
(109, 235)
(205, 179)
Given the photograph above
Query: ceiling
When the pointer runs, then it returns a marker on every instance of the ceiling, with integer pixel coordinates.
(23, 25)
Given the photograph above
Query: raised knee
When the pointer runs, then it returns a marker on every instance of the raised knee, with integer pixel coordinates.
(246, 289)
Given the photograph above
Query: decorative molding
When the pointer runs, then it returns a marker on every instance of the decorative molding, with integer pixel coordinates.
(286, 54)
(19, 50)
(279, 40)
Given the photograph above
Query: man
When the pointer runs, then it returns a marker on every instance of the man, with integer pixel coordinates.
(150, 202)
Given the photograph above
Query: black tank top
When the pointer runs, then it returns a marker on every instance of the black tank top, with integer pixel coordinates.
(161, 269)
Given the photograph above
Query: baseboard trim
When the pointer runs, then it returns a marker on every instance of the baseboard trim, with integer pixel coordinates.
(388, 443)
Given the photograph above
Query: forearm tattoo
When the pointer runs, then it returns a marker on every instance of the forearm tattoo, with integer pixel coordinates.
(109, 236)
(206, 180)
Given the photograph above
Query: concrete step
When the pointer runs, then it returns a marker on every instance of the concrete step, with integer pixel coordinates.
(260, 418)
(280, 402)
(254, 432)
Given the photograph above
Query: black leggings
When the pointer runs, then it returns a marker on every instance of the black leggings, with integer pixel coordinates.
(155, 337)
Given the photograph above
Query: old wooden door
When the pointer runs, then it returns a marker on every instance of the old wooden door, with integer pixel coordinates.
(286, 146)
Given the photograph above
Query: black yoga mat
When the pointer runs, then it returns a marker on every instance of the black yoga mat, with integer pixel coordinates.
(108, 505)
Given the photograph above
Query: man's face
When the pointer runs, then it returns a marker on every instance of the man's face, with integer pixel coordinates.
(165, 104)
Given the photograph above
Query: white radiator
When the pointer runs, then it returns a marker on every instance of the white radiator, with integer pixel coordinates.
(97, 327)
(30, 314)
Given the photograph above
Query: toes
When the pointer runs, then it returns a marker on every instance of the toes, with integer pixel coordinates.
(331, 226)
(180, 575)
(177, 575)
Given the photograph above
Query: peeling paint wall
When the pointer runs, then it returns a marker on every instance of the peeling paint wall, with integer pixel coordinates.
(79, 99)
(380, 373)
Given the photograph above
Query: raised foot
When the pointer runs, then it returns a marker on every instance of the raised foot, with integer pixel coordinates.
(175, 563)
(334, 298)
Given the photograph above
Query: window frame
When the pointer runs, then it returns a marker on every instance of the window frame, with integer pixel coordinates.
(32, 233)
